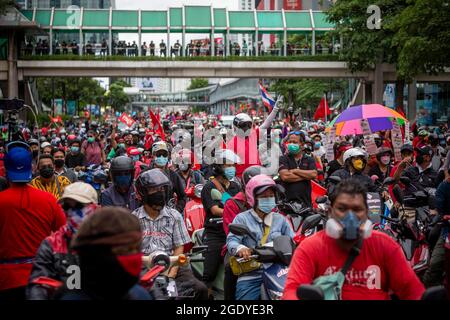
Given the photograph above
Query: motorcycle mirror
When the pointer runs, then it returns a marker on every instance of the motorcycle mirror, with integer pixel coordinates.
(241, 230)
(397, 191)
(216, 194)
(405, 180)
(311, 222)
(310, 292)
(389, 181)
(334, 179)
(435, 293)
(322, 199)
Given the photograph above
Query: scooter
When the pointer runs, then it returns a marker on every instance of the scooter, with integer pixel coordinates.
(194, 214)
(275, 258)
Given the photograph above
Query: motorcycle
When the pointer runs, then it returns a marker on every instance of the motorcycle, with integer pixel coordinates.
(156, 279)
(275, 258)
(313, 223)
(96, 176)
(194, 214)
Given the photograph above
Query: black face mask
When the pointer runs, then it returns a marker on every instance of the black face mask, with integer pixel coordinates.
(35, 153)
(102, 276)
(59, 163)
(47, 172)
(158, 198)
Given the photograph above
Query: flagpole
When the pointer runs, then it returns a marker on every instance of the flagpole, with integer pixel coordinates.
(326, 111)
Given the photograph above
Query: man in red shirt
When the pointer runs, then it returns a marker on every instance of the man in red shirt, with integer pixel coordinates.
(379, 268)
(27, 216)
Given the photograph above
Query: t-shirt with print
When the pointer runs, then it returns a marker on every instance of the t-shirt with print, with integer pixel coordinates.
(380, 267)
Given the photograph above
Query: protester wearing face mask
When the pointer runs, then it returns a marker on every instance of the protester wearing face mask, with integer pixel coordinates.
(355, 160)
(47, 180)
(160, 153)
(74, 158)
(297, 170)
(135, 155)
(222, 184)
(318, 149)
(422, 174)
(54, 255)
(245, 142)
(383, 167)
(93, 149)
(338, 162)
(186, 171)
(378, 270)
(60, 168)
(163, 227)
(27, 216)
(121, 192)
(108, 246)
(261, 192)
(34, 147)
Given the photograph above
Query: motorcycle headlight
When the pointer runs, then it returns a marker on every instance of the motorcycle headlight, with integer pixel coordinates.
(275, 295)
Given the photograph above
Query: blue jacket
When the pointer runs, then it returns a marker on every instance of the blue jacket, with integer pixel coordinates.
(278, 227)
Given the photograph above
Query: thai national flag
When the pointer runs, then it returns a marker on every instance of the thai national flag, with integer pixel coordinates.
(267, 100)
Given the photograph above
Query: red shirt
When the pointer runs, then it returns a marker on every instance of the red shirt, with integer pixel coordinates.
(247, 150)
(27, 216)
(381, 266)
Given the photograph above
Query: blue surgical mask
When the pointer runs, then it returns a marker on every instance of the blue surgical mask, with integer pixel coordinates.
(266, 205)
(161, 161)
(317, 145)
(123, 181)
(135, 158)
(74, 149)
(121, 145)
(229, 172)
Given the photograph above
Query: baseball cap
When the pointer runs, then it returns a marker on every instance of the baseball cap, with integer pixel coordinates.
(45, 144)
(81, 192)
(18, 164)
(157, 146)
(425, 150)
(132, 151)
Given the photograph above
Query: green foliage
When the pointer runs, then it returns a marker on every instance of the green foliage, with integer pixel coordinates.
(422, 37)
(306, 93)
(5, 4)
(198, 83)
(83, 90)
(116, 96)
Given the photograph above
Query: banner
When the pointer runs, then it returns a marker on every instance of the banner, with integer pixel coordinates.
(330, 142)
(71, 107)
(407, 137)
(397, 141)
(126, 119)
(369, 141)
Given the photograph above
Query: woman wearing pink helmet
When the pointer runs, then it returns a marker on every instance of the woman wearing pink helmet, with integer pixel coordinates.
(265, 224)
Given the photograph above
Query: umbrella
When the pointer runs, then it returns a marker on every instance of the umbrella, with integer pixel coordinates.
(378, 117)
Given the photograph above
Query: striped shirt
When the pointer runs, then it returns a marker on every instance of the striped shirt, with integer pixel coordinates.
(51, 187)
(164, 233)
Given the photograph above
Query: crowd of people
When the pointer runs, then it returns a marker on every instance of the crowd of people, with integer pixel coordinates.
(91, 195)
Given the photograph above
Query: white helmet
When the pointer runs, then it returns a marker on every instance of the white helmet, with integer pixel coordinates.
(355, 152)
(242, 121)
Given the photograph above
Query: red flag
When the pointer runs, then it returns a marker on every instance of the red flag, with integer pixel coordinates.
(126, 119)
(157, 128)
(322, 109)
(400, 110)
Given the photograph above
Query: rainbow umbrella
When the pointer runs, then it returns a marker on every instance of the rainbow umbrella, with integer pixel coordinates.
(378, 116)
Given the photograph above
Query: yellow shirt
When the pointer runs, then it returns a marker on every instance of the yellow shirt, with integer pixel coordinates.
(51, 187)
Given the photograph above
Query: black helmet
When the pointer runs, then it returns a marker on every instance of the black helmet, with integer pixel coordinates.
(42, 139)
(250, 172)
(382, 151)
(121, 164)
(151, 179)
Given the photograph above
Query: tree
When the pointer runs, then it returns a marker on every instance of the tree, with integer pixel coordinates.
(198, 83)
(83, 90)
(117, 97)
(422, 38)
(306, 93)
(5, 4)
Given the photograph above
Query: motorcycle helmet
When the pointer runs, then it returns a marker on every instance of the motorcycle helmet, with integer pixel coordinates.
(222, 157)
(382, 151)
(258, 184)
(152, 178)
(121, 165)
(242, 121)
(250, 172)
(355, 152)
